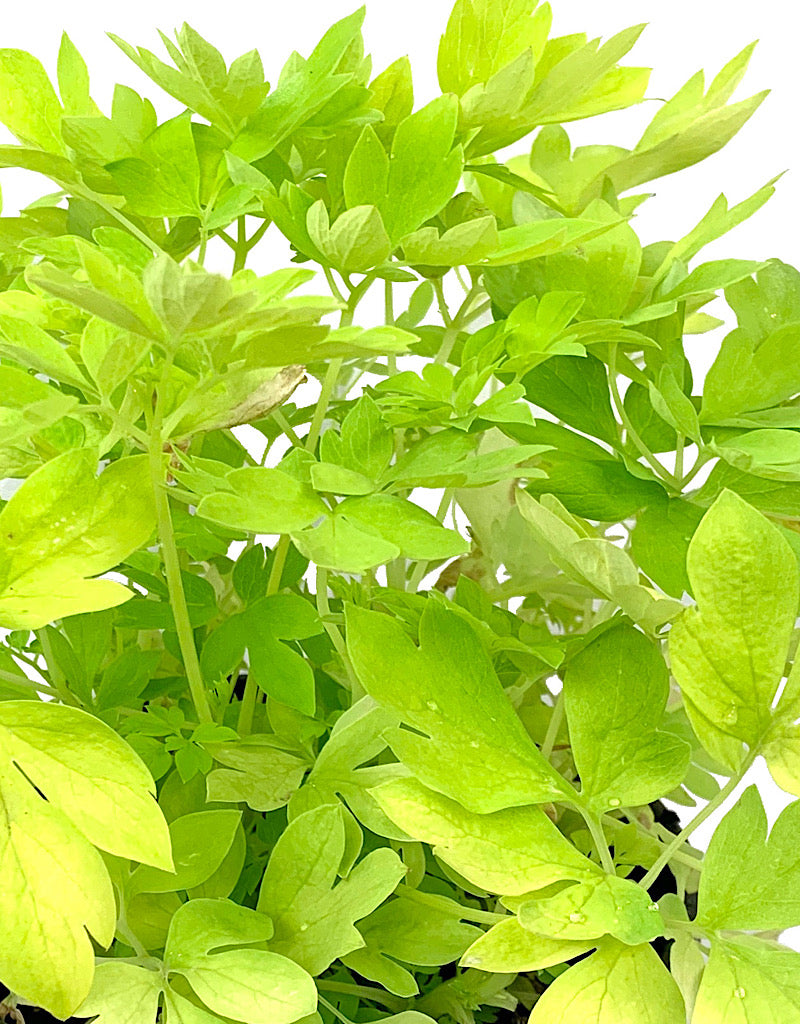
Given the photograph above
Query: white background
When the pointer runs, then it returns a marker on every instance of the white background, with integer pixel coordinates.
(683, 36)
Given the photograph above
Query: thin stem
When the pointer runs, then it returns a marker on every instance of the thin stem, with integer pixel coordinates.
(463, 318)
(459, 912)
(9, 677)
(553, 725)
(334, 287)
(336, 638)
(599, 839)
(337, 1014)
(375, 995)
(328, 385)
(242, 248)
(697, 821)
(630, 430)
(702, 459)
(172, 566)
(258, 234)
(679, 452)
(98, 200)
(278, 565)
(287, 428)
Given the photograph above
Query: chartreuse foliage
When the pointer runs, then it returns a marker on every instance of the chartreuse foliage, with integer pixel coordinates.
(347, 655)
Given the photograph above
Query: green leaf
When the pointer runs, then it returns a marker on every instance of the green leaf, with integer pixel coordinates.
(366, 175)
(256, 772)
(416, 533)
(749, 376)
(511, 852)
(575, 389)
(606, 268)
(357, 240)
(29, 107)
(356, 738)
(123, 994)
(424, 168)
(711, 277)
(466, 243)
(772, 454)
(749, 979)
(305, 87)
(481, 38)
(616, 985)
(507, 946)
(315, 919)
(467, 741)
(73, 80)
(65, 525)
(246, 984)
(749, 881)
(366, 442)
(29, 345)
(603, 906)
(344, 545)
(660, 543)
(538, 238)
(425, 934)
(728, 653)
(113, 292)
(68, 784)
(277, 669)
(163, 179)
(262, 500)
(615, 693)
(673, 406)
(595, 562)
(28, 405)
(200, 842)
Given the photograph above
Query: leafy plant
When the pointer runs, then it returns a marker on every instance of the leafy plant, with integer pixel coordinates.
(408, 765)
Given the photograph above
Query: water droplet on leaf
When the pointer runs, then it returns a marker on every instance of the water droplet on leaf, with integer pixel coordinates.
(732, 713)
(474, 744)
(614, 802)
(304, 926)
(432, 705)
(577, 918)
(653, 906)
(740, 993)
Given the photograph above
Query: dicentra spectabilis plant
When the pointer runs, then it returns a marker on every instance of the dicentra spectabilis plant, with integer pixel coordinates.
(279, 744)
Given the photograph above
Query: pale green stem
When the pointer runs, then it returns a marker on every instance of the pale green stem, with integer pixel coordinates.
(9, 677)
(172, 566)
(336, 638)
(553, 725)
(328, 385)
(702, 459)
(630, 431)
(599, 839)
(375, 995)
(679, 452)
(460, 912)
(242, 248)
(332, 1009)
(287, 428)
(154, 247)
(697, 821)
(334, 287)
